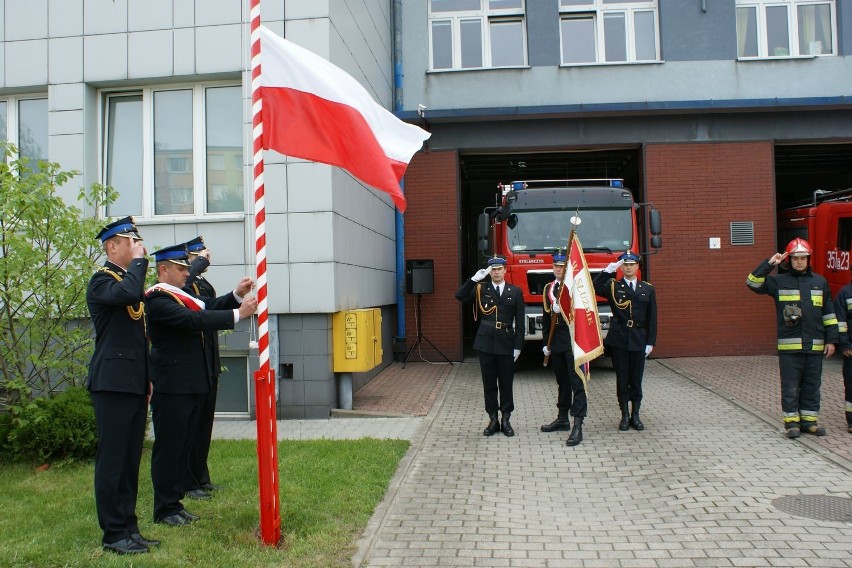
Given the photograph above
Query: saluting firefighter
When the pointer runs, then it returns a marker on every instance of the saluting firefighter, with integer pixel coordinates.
(499, 307)
(632, 332)
(119, 382)
(198, 483)
(571, 398)
(807, 331)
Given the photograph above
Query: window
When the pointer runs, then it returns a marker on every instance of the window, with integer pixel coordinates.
(608, 31)
(175, 151)
(23, 122)
(234, 386)
(477, 34)
(785, 28)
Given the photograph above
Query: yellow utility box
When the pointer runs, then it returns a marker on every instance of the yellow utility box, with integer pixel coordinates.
(357, 340)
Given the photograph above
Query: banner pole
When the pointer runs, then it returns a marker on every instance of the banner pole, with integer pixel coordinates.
(264, 377)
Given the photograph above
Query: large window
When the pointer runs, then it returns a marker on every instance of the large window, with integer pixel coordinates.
(175, 151)
(608, 31)
(23, 122)
(476, 34)
(785, 28)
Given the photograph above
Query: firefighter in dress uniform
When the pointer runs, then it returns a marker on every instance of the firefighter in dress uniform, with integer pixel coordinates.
(571, 398)
(807, 330)
(198, 485)
(119, 382)
(499, 306)
(843, 309)
(182, 372)
(632, 332)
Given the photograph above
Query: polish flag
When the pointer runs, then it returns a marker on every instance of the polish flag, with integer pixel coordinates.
(584, 321)
(316, 111)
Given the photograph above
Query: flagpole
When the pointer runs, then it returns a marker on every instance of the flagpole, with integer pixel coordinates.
(264, 377)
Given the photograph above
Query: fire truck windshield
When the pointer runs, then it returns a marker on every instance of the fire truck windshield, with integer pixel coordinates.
(546, 230)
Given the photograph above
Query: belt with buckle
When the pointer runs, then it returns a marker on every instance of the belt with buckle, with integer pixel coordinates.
(632, 323)
(499, 325)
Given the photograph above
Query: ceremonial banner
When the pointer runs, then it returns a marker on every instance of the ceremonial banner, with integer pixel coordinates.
(583, 319)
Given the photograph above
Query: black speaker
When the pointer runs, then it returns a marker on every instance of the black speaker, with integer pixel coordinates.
(419, 276)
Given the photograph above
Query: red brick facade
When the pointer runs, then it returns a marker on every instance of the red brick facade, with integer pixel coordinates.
(704, 306)
(433, 231)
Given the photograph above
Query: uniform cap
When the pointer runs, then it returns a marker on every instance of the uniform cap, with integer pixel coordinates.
(176, 254)
(559, 259)
(124, 227)
(496, 261)
(798, 247)
(629, 257)
(196, 244)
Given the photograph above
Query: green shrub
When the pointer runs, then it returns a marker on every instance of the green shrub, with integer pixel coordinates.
(5, 430)
(52, 429)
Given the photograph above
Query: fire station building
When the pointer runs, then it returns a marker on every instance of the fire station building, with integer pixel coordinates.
(718, 112)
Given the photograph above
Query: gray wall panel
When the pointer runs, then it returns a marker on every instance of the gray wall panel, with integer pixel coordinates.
(688, 34)
(543, 32)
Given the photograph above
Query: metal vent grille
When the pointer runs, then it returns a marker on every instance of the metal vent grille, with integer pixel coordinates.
(742, 232)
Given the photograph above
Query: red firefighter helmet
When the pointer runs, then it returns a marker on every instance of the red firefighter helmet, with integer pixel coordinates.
(799, 247)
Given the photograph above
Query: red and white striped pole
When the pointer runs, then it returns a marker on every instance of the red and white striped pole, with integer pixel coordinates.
(264, 377)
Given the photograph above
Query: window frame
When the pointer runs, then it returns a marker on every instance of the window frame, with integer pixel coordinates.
(760, 7)
(199, 149)
(486, 17)
(13, 118)
(597, 10)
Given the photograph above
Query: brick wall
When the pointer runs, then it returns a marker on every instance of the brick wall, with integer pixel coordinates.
(432, 231)
(704, 306)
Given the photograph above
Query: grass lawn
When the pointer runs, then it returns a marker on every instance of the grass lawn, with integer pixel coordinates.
(328, 490)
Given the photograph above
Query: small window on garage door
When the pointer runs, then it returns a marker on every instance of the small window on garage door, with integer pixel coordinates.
(234, 387)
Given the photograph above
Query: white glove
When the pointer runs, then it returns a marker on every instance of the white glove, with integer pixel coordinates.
(545, 350)
(556, 309)
(613, 266)
(481, 274)
(516, 353)
(648, 349)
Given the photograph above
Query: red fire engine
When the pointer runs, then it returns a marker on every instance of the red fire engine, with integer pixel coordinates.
(826, 223)
(532, 221)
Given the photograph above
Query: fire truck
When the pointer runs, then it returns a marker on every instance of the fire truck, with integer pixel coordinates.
(826, 223)
(532, 220)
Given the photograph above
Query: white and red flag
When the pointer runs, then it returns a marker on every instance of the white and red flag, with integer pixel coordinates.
(583, 320)
(316, 111)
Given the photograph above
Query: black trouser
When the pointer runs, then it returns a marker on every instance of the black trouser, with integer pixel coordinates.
(572, 395)
(121, 420)
(198, 473)
(498, 373)
(176, 418)
(847, 381)
(801, 378)
(629, 367)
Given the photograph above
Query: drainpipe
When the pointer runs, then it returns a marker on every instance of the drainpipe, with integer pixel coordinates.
(399, 338)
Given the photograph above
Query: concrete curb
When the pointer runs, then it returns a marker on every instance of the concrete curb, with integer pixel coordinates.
(368, 539)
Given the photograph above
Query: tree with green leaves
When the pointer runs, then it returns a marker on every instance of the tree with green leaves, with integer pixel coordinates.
(47, 254)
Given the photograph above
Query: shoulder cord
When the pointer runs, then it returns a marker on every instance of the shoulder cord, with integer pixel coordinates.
(134, 313)
(179, 301)
(628, 303)
(485, 312)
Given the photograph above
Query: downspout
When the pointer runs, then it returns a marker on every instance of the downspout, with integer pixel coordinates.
(399, 338)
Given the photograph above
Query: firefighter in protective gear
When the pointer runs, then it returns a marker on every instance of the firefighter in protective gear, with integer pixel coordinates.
(807, 330)
(843, 307)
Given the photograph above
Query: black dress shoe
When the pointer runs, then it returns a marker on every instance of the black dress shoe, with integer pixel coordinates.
(149, 542)
(188, 516)
(175, 520)
(126, 546)
(209, 487)
(198, 494)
